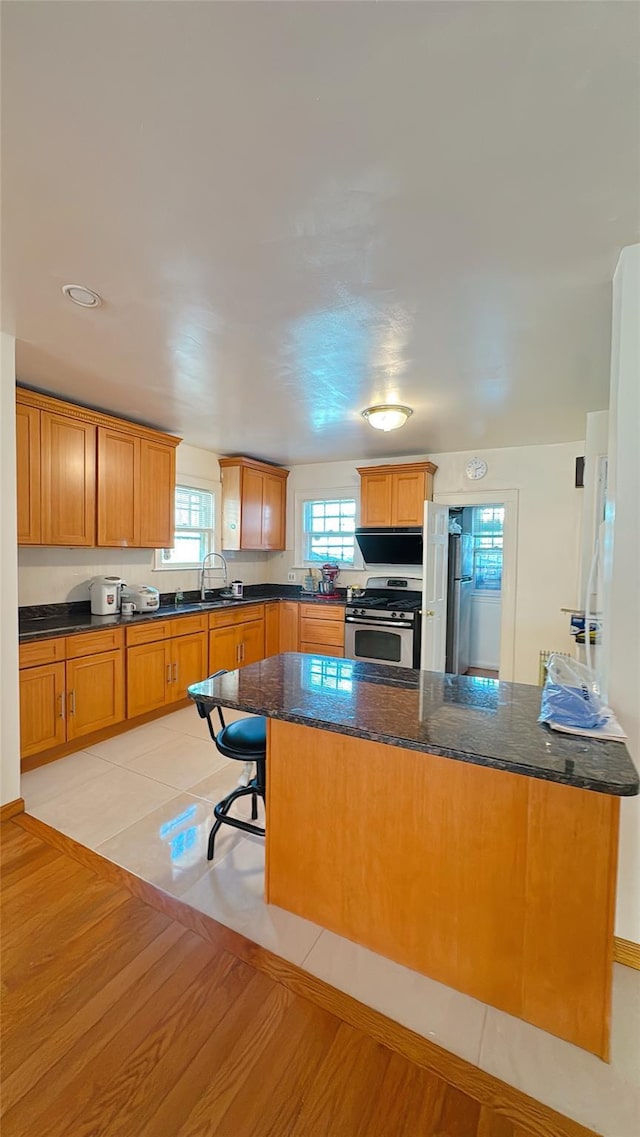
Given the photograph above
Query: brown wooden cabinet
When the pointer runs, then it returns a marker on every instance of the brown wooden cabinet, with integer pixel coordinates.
(163, 658)
(68, 481)
(95, 692)
(157, 493)
(322, 629)
(395, 495)
(236, 637)
(289, 625)
(42, 708)
(28, 463)
(62, 701)
(253, 504)
(88, 479)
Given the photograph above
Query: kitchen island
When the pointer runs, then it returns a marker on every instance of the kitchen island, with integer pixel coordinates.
(432, 819)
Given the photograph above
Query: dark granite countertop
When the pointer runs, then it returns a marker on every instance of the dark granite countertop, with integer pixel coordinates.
(45, 621)
(469, 719)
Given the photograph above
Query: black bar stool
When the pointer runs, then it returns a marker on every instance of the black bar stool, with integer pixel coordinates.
(245, 741)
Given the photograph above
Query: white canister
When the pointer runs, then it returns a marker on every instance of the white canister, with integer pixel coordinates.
(237, 588)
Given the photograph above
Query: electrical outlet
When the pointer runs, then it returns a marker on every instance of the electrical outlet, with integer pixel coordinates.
(291, 577)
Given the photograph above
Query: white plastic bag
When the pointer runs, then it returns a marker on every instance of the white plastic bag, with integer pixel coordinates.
(571, 696)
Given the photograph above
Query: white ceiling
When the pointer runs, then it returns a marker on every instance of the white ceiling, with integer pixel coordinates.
(295, 210)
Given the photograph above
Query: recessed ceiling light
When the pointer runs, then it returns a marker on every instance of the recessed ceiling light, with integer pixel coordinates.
(388, 416)
(81, 295)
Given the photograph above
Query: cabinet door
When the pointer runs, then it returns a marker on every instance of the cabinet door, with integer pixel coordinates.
(289, 625)
(223, 650)
(118, 488)
(148, 677)
(252, 496)
(42, 708)
(95, 692)
(188, 664)
(375, 499)
(68, 480)
(157, 494)
(271, 629)
(408, 494)
(251, 638)
(28, 474)
(273, 513)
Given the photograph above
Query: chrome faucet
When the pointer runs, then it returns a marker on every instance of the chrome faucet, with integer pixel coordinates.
(207, 568)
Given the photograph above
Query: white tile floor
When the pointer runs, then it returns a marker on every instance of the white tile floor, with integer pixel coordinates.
(144, 801)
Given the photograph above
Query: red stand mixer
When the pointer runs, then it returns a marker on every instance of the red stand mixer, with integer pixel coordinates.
(327, 586)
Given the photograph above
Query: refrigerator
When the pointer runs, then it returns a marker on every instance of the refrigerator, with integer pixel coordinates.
(459, 590)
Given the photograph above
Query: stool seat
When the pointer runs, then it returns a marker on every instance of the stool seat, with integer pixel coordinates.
(244, 740)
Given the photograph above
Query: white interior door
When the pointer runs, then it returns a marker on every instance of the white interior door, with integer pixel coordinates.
(434, 587)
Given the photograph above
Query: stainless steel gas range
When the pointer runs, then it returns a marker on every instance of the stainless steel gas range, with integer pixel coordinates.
(384, 624)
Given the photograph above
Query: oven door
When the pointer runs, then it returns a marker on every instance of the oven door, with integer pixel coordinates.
(374, 641)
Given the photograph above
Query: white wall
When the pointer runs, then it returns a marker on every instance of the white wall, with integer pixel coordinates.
(9, 698)
(621, 648)
(50, 575)
(548, 541)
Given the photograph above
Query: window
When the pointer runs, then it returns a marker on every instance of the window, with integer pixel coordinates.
(328, 528)
(487, 529)
(193, 530)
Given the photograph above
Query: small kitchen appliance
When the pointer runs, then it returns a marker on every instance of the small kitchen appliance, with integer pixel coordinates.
(105, 595)
(144, 597)
(383, 625)
(327, 585)
(237, 589)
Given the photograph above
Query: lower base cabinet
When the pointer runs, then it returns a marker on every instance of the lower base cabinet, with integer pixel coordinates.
(236, 638)
(42, 708)
(159, 673)
(95, 693)
(61, 701)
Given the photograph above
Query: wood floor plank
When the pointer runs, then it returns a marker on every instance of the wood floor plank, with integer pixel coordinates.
(55, 1047)
(341, 1100)
(108, 1044)
(178, 1023)
(222, 1068)
(282, 1075)
(61, 982)
(123, 1092)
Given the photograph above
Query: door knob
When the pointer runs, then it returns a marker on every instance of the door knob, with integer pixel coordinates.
(429, 612)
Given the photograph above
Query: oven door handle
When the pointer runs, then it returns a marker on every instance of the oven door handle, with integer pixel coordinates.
(378, 623)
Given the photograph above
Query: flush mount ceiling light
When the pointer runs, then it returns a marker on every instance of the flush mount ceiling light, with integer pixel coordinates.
(85, 297)
(388, 416)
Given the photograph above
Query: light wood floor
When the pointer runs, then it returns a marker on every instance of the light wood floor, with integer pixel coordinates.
(482, 672)
(127, 1013)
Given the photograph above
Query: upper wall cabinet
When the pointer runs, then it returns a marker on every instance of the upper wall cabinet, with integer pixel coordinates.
(254, 504)
(395, 495)
(28, 459)
(85, 478)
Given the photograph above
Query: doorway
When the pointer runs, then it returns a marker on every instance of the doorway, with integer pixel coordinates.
(484, 585)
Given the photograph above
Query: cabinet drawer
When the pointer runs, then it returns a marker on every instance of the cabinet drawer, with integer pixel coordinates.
(147, 633)
(43, 651)
(322, 649)
(90, 643)
(322, 632)
(320, 612)
(229, 617)
(186, 625)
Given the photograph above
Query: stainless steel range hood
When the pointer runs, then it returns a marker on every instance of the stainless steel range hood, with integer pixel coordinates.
(391, 546)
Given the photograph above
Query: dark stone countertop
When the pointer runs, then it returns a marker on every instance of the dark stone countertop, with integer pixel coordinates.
(46, 621)
(469, 719)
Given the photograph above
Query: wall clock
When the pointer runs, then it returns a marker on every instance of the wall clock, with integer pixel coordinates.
(476, 468)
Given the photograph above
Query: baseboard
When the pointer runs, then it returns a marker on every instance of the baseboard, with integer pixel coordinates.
(625, 951)
(11, 809)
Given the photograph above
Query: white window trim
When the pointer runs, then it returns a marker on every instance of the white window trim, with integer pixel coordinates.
(211, 487)
(328, 493)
